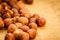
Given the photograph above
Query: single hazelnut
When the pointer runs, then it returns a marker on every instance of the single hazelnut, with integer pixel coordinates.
(25, 36)
(15, 12)
(35, 16)
(23, 20)
(32, 20)
(6, 15)
(29, 1)
(8, 21)
(18, 33)
(32, 33)
(33, 25)
(9, 36)
(18, 25)
(11, 28)
(20, 4)
(25, 28)
(41, 22)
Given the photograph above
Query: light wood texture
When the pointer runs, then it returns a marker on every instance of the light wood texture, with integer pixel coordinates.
(50, 10)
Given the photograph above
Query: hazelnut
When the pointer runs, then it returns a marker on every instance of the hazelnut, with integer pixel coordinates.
(32, 20)
(15, 12)
(18, 33)
(9, 36)
(29, 1)
(18, 25)
(1, 23)
(27, 15)
(32, 33)
(25, 28)
(4, 4)
(35, 16)
(24, 10)
(11, 28)
(8, 21)
(6, 15)
(25, 36)
(33, 25)
(20, 4)
(23, 20)
(41, 22)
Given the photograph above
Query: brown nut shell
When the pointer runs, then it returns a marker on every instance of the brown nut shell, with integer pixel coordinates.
(18, 25)
(25, 28)
(35, 16)
(32, 20)
(9, 36)
(41, 22)
(8, 21)
(11, 28)
(32, 33)
(18, 33)
(33, 25)
(25, 36)
(23, 20)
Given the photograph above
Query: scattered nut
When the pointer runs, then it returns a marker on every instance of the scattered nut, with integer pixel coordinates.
(23, 20)
(35, 16)
(20, 4)
(32, 33)
(11, 28)
(25, 36)
(18, 25)
(32, 20)
(9, 36)
(8, 21)
(15, 12)
(6, 15)
(29, 1)
(18, 33)
(41, 22)
(25, 28)
(33, 25)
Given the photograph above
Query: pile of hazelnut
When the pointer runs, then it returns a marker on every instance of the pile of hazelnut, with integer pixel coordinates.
(18, 21)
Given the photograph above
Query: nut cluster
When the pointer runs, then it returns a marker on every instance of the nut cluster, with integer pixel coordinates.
(18, 21)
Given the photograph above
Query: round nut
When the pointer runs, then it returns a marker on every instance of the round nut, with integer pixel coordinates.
(33, 25)
(33, 20)
(25, 28)
(6, 15)
(1, 23)
(35, 16)
(23, 20)
(25, 36)
(8, 21)
(20, 4)
(11, 28)
(9, 36)
(18, 33)
(18, 25)
(32, 33)
(15, 12)
(29, 1)
(27, 15)
(41, 22)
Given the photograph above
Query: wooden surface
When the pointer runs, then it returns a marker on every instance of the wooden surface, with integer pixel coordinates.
(50, 10)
